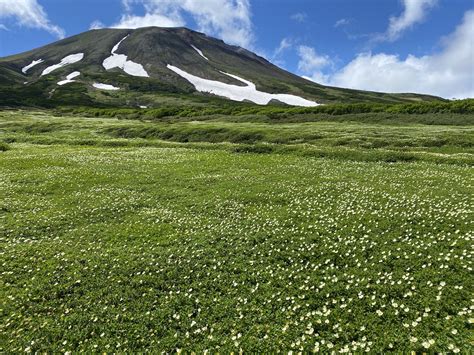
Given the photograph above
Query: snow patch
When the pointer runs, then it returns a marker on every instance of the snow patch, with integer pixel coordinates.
(31, 65)
(121, 61)
(105, 86)
(249, 83)
(128, 66)
(69, 78)
(70, 59)
(240, 93)
(116, 47)
(200, 52)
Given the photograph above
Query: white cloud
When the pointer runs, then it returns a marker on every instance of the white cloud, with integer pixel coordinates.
(127, 4)
(299, 17)
(132, 21)
(96, 25)
(342, 22)
(449, 73)
(285, 43)
(415, 12)
(310, 61)
(3, 27)
(29, 13)
(227, 19)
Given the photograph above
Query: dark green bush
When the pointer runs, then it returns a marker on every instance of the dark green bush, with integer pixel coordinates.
(4, 147)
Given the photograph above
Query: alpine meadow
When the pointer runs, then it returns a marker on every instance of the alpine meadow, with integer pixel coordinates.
(165, 190)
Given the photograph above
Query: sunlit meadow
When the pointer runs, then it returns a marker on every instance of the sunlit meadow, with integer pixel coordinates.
(169, 247)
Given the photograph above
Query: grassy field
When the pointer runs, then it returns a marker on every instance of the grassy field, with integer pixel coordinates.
(350, 234)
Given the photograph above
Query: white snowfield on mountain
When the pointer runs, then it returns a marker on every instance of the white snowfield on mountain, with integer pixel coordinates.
(240, 93)
(105, 86)
(70, 59)
(121, 61)
(31, 65)
(199, 52)
(69, 78)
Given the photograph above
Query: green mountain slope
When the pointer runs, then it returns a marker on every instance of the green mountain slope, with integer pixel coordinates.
(156, 48)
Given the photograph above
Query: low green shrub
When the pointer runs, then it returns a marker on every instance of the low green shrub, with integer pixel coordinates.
(276, 113)
(4, 147)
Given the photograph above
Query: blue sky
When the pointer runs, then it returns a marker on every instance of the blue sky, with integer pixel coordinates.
(420, 45)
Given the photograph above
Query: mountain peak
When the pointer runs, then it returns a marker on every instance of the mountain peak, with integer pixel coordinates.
(159, 61)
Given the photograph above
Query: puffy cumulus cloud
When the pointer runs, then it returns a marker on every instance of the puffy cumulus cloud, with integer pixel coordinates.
(310, 60)
(414, 12)
(311, 64)
(448, 73)
(28, 13)
(227, 19)
(149, 19)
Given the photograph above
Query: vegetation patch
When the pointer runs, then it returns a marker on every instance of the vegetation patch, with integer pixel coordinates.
(4, 147)
(278, 112)
(219, 235)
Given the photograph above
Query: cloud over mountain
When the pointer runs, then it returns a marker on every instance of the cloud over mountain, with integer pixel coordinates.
(227, 19)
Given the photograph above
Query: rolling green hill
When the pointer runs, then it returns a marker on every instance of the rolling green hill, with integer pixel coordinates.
(153, 50)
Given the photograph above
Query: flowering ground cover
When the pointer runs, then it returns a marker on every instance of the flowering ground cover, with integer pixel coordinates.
(125, 244)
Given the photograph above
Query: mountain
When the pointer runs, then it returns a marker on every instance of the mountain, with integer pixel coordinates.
(152, 66)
